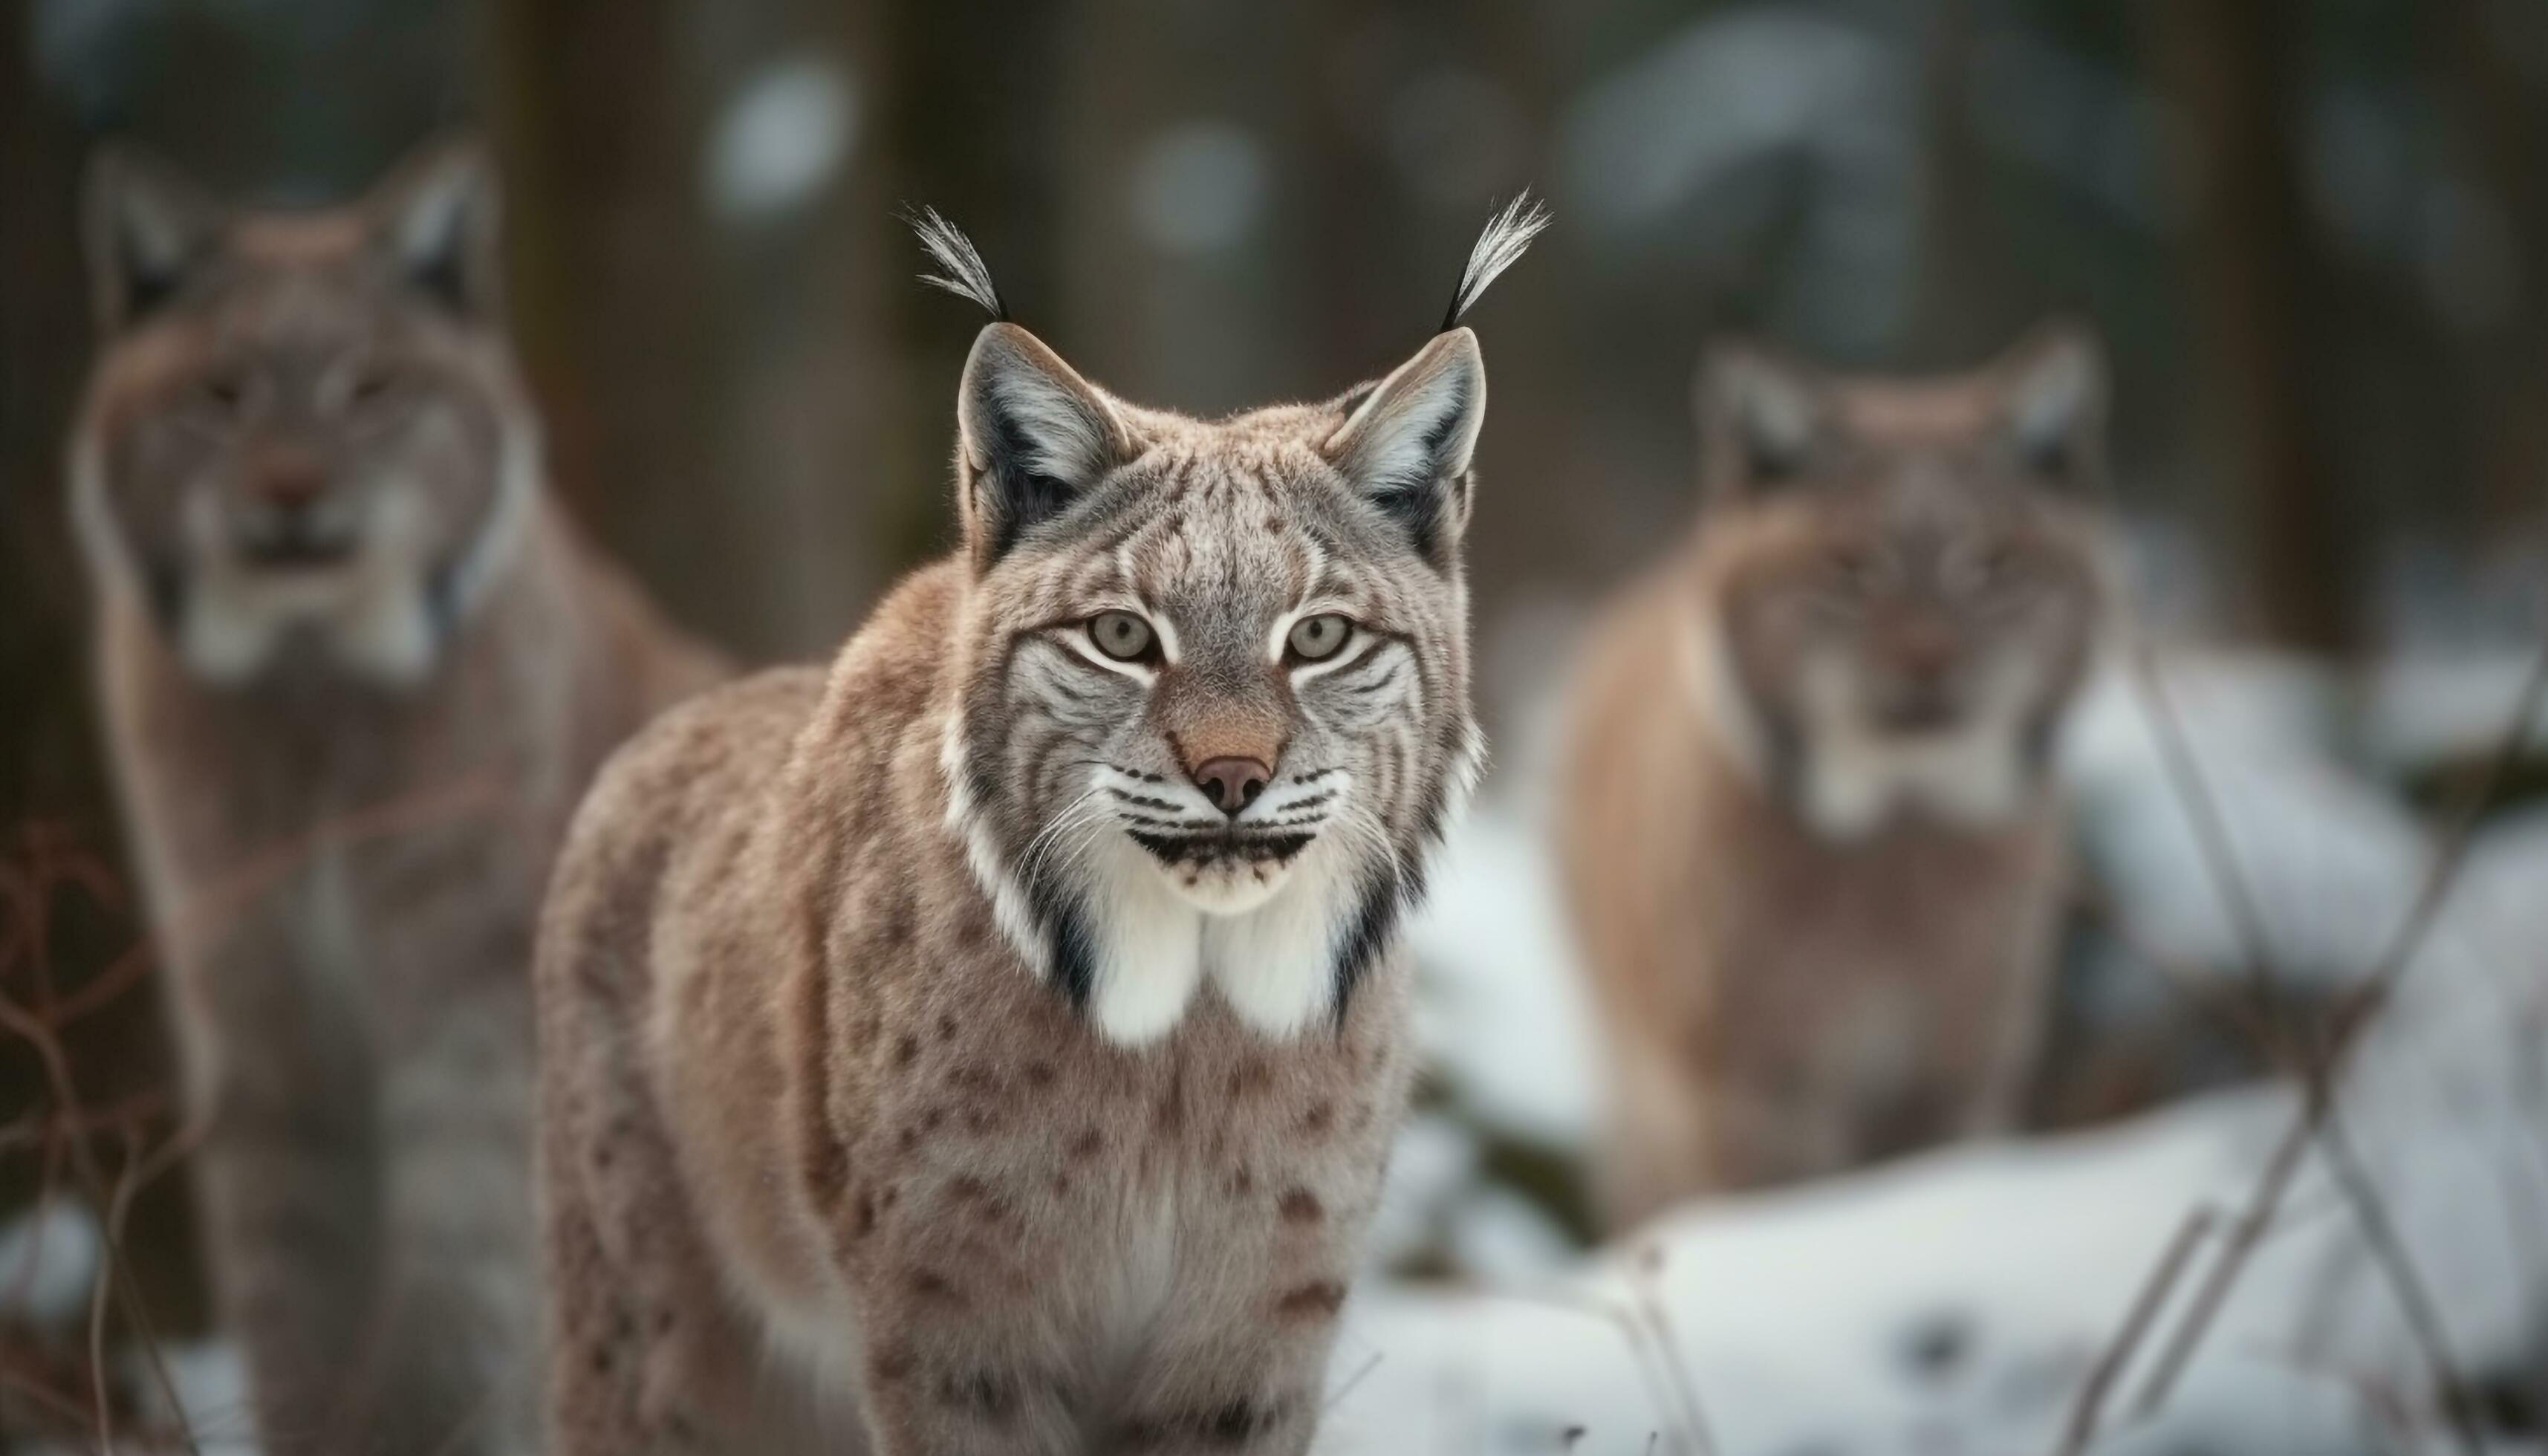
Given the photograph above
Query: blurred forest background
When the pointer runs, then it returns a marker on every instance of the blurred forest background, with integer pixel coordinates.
(2315, 235)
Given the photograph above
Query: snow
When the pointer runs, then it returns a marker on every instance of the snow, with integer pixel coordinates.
(1956, 1301)
(48, 1260)
(2432, 706)
(1815, 1319)
(1505, 1018)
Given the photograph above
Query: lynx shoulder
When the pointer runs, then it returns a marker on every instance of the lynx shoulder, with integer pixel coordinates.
(1007, 1028)
(356, 670)
(1809, 842)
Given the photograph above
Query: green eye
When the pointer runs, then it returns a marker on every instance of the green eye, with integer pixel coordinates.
(1121, 635)
(1313, 638)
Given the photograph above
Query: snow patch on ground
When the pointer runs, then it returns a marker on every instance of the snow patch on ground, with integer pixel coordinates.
(1954, 1302)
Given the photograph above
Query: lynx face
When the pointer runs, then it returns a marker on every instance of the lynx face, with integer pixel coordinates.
(1214, 702)
(303, 442)
(1909, 585)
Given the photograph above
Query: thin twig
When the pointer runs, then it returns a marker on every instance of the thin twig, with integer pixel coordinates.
(2415, 1297)
(2237, 1017)
(2212, 840)
(1650, 1361)
(2325, 1067)
(1361, 1373)
(1645, 1282)
(2161, 1283)
(49, 1050)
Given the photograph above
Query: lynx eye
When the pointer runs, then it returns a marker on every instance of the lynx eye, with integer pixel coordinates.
(1317, 637)
(226, 392)
(1122, 635)
(371, 387)
(1852, 567)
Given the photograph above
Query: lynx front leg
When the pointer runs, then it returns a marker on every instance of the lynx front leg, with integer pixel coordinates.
(1248, 1382)
(288, 1184)
(1656, 1153)
(947, 1387)
(450, 1368)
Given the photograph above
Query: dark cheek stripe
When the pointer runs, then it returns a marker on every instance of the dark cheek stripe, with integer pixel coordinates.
(164, 581)
(1028, 738)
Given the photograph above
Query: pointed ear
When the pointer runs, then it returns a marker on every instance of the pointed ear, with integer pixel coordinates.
(1760, 420)
(1033, 438)
(2053, 391)
(148, 228)
(1407, 446)
(437, 218)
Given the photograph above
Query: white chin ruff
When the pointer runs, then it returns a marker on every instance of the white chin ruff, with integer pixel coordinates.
(1273, 962)
(1269, 950)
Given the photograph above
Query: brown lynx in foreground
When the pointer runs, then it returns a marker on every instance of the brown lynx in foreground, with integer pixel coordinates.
(992, 1046)
(356, 672)
(1809, 844)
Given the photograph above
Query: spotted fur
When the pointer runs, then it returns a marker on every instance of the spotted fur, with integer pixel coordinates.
(929, 1051)
(1810, 844)
(356, 672)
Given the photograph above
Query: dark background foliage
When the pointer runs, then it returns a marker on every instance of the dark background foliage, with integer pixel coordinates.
(2315, 235)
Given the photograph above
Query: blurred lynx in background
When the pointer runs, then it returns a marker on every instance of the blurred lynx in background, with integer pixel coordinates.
(1809, 842)
(356, 670)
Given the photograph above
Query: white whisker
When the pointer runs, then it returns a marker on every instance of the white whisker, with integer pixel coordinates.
(1071, 813)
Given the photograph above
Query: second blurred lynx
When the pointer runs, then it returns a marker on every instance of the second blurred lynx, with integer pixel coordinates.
(355, 669)
(1810, 848)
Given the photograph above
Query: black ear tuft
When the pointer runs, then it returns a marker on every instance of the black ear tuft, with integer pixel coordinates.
(965, 273)
(1507, 237)
(147, 229)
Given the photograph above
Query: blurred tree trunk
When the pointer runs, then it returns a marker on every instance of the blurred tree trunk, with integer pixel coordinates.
(594, 127)
(816, 449)
(969, 121)
(2509, 380)
(719, 390)
(2255, 276)
(1963, 270)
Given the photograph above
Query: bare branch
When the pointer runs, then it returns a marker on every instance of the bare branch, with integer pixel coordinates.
(2322, 1067)
(2212, 838)
(2415, 1298)
(2173, 1260)
(1646, 1284)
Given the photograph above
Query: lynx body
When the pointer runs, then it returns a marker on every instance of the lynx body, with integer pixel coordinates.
(993, 1045)
(356, 672)
(1809, 844)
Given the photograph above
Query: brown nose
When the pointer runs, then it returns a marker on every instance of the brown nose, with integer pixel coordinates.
(1232, 784)
(1923, 648)
(290, 482)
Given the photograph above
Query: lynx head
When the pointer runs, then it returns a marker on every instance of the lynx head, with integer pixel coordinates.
(304, 440)
(1903, 579)
(1212, 675)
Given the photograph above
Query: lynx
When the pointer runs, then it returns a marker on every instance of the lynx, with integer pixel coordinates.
(355, 672)
(992, 1046)
(1809, 842)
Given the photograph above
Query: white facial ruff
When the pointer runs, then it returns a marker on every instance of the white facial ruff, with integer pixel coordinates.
(1857, 778)
(1274, 963)
(372, 610)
